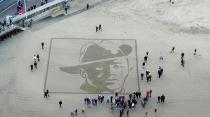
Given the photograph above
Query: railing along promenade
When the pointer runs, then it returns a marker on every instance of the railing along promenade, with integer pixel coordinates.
(19, 21)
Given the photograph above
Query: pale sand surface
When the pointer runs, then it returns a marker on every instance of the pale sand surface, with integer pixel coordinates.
(149, 22)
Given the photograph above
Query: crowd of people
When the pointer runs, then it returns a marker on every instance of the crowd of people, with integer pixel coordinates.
(118, 103)
(161, 99)
(36, 59)
(34, 6)
(7, 22)
(93, 101)
(123, 103)
(160, 69)
(146, 73)
(20, 8)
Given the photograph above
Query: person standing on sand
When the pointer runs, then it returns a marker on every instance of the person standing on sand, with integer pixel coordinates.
(195, 51)
(75, 111)
(35, 64)
(96, 28)
(34, 58)
(142, 76)
(146, 113)
(155, 110)
(45, 94)
(172, 50)
(159, 99)
(145, 58)
(127, 113)
(60, 103)
(143, 65)
(100, 27)
(182, 62)
(47, 91)
(37, 56)
(42, 44)
(31, 67)
(182, 55)
(87, 7)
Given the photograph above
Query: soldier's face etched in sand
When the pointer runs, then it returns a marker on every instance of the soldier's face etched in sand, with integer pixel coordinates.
(106, 76)
(104, 67)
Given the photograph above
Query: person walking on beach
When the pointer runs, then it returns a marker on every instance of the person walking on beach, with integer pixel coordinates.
(31, 67)
(37, 56)
(155, 110)
(150, 93)
(121, 112)
(143, 65)
(75, 111)
(162, 98)
(127, 113)
(160, 71)
(35, 64)
(146, 113)
(87, 6)
(182, 55)
(83, 110)
(145, 58)
(96, 28)
(147, 53)
(34, 58)
(60, 103)
(142, 76)
(42, 44)
(195, 51)
(172, 50)
(45, 94)
(159, 99)
(72, 114)
(111, 99)
(182, 62)
(99, 27)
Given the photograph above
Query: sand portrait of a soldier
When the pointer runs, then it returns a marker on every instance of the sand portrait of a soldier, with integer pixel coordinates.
(103, 66)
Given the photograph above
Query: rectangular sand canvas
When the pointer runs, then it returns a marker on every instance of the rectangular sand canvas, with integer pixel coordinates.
(92, 66)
